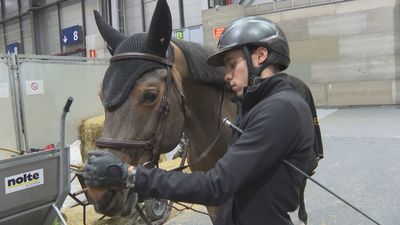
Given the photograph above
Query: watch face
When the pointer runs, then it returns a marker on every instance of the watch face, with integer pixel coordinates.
(131, 180)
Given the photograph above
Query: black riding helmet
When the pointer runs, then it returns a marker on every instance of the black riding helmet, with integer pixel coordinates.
(253, 32)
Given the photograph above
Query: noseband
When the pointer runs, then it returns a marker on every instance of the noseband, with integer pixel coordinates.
(153, 143)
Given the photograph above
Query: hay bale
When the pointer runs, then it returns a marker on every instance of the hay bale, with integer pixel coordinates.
(89, 131)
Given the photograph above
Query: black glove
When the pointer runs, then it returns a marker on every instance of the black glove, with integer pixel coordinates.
(104, 169)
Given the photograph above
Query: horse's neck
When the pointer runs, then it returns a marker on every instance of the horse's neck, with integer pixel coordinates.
(203, 114)
(203, 119)
(203, 104)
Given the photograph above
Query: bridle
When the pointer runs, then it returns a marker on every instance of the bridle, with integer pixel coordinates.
(153, 143)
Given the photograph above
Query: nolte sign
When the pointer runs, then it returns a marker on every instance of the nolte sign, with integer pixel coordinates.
(23, 181)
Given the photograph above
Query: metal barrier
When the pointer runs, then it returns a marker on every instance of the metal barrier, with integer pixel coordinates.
(41, 83)
(283, 5)
(7, 128)
(36, 184)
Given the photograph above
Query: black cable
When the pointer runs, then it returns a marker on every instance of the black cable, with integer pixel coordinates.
(229, 124)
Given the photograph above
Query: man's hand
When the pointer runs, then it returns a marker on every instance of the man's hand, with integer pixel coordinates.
(104, 169)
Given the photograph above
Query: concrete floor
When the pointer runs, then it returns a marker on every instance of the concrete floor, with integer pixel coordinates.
(361, 164)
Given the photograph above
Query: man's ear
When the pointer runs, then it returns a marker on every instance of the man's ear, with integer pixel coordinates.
(262, 55)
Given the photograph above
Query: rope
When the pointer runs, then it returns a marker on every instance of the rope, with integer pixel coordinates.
(10, 150)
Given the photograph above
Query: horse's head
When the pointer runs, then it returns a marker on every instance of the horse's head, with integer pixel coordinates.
(142, 100)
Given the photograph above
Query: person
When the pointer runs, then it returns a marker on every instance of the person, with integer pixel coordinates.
(249, 183)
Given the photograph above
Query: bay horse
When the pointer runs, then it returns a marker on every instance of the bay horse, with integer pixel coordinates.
(154, 90)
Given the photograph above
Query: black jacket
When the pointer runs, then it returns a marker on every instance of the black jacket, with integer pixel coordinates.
(249, 181)
(305, 92)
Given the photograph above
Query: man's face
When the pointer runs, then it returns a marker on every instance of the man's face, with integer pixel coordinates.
(236, 73)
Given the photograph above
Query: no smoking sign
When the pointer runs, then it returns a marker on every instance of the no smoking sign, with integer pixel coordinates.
(34, 87)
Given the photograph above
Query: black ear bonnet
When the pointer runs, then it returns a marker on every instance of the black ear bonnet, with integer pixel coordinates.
(121, 75)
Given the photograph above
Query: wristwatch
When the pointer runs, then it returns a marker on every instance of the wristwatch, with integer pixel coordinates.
(130, 180)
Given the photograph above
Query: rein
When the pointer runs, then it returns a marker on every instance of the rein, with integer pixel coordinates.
(210, 146)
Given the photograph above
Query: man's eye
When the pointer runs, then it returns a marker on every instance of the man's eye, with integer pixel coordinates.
(230, 66)
(149, 96)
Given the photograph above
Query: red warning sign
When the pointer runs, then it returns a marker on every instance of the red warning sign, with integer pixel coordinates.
(217, 32)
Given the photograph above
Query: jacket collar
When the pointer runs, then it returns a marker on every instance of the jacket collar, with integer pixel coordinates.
(263, 88)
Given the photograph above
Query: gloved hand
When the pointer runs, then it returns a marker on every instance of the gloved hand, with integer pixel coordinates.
(104, 169)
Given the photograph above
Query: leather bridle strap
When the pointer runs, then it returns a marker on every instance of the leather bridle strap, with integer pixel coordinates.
(209, 147)
(163, 112)
(120, 144)
(139, 55)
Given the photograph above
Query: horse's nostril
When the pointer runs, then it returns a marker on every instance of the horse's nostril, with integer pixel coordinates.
(96, 193)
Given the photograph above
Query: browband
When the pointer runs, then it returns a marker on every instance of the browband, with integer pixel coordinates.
(138, 55)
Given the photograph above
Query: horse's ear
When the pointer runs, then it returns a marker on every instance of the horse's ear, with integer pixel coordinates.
(160, 30)
(111, 36)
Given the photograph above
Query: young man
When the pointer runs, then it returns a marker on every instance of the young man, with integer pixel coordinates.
(250, 182)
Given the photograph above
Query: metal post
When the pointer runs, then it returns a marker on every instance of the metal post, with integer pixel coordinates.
(59, 24)
(15, 104)
(33, 26)
(22, 105)
(64, 174)
(114, 14)
(84, 26)
(37, 30)
(21, 34)
(60, 216)
(18, 105)
(3, 16)
(181, 14)
(143, 16)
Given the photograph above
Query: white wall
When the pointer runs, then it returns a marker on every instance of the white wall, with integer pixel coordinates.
(192, 12)
(50, 37)
(133, 17)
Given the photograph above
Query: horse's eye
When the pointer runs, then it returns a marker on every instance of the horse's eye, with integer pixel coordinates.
(149, 96)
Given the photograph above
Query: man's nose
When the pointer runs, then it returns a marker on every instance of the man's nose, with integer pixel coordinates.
(228, 77)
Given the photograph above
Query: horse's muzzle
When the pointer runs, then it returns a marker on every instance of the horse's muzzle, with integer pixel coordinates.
(117, 203)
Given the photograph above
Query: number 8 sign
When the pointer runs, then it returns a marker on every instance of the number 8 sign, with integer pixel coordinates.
(71, 35)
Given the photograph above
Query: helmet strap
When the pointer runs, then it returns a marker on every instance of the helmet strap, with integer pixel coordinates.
(254, 72)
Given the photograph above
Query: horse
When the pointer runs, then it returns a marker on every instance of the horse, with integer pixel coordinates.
(155, 89)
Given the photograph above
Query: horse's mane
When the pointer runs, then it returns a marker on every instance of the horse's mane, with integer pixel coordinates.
(196, 57)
